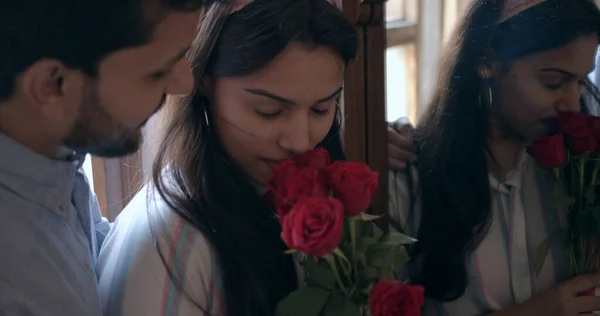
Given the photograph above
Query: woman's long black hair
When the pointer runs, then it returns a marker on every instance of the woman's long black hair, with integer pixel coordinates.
(205, 187)
(453, 135)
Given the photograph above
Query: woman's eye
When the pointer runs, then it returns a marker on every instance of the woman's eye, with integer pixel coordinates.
(320, 112)
(269, 115)
(552, 86)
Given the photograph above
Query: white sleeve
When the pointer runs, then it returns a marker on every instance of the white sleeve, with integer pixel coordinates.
(401, 200)
(134, 280)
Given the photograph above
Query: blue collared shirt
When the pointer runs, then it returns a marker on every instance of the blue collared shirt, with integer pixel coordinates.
(51, 231)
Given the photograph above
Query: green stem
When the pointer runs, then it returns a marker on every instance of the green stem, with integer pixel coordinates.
(595, 173)
(581, 181)
(573, 260)
(556, 172)
(344, 262)
(332, 263)
(353, 242)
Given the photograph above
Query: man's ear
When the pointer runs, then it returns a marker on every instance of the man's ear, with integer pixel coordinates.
(52, 88)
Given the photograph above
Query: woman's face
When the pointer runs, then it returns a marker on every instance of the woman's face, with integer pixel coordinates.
(282, 110)
(536, 88)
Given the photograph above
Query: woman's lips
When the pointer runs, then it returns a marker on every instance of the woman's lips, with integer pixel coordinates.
(272, 163)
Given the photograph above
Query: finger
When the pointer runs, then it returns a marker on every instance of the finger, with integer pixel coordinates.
(403, 126)
(398, 140)
(582, 283)
(586, 304)
(397, 165)
(401, 154)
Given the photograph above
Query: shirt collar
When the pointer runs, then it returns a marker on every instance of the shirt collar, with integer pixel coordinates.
(514, 177)
(42, 180)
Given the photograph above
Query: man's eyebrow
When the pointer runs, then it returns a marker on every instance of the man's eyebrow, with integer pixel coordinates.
(171, 62)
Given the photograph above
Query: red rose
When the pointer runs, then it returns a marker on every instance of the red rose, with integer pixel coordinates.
(393, 298)
(317, 159)
(580, 139)
(354, 184)
(280, 176)
(549, 152)
(594, 123)
(580, 131)
(301, 184)
(314, 226)
(566, 120)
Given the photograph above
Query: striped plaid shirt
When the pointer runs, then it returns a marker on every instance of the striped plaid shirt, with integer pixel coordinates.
(133, 277)
(501, 269)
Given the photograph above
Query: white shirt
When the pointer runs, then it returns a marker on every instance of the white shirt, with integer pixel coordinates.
(501, 269)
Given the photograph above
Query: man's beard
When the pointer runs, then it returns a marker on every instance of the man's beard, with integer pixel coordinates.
(97, 133)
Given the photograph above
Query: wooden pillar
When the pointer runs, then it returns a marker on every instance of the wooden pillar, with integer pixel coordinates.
(365, 128)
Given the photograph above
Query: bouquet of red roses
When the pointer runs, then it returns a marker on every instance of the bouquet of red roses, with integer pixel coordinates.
(573, 155)
(348, 262)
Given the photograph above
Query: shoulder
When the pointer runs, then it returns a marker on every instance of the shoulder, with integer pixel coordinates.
(157, 252)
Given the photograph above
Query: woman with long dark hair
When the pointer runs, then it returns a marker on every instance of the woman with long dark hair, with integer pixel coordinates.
(478, 205)
(199, 239)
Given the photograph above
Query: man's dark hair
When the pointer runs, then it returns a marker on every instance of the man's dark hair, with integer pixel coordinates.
(79, 33)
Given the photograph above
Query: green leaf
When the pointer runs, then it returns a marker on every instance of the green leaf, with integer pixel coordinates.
(320, 275)
(361, 257)
(400, 256)
(380, 256)
(308, 301)
(396, 238)
(341, 306)
(369, 217)
(364, 243)
(364, 229)
(371, 273)
(540, 255)
(290, 251)
(386, 274)
(559, 197)
(590, 195)
(597, 182)
(377, 232)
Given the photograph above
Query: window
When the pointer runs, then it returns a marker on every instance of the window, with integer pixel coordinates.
(115, 181)
(416, 31)
(401, 59)
(87, 169)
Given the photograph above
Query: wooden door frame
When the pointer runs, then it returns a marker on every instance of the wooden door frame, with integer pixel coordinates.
(365, 127)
